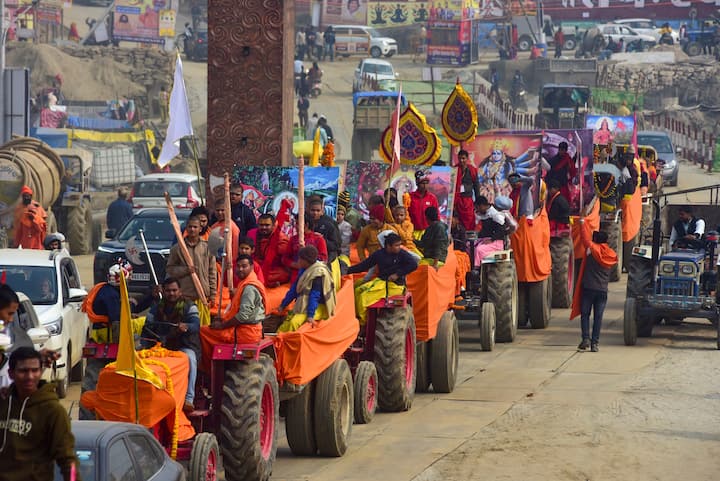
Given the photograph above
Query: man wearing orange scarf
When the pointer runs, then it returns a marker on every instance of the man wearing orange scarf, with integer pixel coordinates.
(592, 285)
(30, 222)
(242, 321)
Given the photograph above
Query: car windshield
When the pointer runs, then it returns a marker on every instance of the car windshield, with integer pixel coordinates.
(155, 229)
(661, 143)
(642, 25)
(150, 188)
(565, 97)
(38, 283)
(379, 68)
(88, 470)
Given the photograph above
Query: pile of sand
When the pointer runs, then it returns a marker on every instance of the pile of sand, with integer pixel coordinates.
(83, 78)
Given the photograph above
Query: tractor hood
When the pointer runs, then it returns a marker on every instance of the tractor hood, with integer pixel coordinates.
(684, 256)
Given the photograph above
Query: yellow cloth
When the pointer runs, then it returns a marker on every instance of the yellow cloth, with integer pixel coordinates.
(336, 275)
(100, 335)
(204, 312)
(293, 321)
(128, 362)
(417, 235)
(430, 262)
(372, 291)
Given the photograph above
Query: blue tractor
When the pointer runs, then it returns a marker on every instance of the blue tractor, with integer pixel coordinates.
(671, 285)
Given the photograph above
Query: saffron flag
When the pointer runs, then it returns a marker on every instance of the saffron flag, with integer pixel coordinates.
(395, 165)
(315, 157)
(128, 362)
(180, 124)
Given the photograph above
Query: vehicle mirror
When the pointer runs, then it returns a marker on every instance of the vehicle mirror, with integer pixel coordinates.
(76, 295)
(397, 74)
(110, 234)
(678, 150)
(38, 335)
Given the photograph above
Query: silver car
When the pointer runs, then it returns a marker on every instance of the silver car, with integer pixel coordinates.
(667, 154)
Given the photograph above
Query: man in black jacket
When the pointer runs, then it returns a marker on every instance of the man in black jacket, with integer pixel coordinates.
(325, 226)
(687, 231)
(392, 261)
(242, 215)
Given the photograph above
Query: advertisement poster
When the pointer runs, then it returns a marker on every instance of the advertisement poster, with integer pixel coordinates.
(138, 20)
(497, 155)
(390, 14)
(265, 187)
(345, 12)
(610, 129)
(609, 10)
(578, 140)
(167, 23)
(365, 179)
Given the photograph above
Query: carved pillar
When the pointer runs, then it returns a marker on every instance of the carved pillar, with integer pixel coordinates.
(250, 83)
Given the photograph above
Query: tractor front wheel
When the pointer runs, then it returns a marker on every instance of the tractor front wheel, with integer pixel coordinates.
(204, 458)
(630, 327)
(366, 390)
(487, 326)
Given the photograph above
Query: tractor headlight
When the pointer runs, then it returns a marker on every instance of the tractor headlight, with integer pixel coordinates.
(667, 268)
(687, 269)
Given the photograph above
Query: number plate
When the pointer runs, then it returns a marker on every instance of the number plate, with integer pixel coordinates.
(141, 276)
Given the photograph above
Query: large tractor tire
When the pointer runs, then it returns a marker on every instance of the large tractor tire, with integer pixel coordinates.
(422, 366)
(365, 392)
(627, 251)
(522, 309)
(249, 419)
(630, 322)
(539, 300)
(395, 358)
(640, 272)
(563, 263)
(487, 326)
(445, 354)
(614, 232)
(89, 383)
(79, 228)
(300, 422)
(333, 409)
(693, 49)
(204, 458)
(502, 292)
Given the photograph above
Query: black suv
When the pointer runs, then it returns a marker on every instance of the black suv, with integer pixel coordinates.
(127, 243)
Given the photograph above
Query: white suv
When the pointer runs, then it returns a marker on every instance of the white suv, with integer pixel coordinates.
(149, 191)
(52, 282)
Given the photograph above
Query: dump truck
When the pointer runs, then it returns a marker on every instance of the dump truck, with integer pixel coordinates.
(563, 106)
(60, 181)
(372, 113)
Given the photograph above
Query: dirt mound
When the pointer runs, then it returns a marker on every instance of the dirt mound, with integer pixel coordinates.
(83, 79)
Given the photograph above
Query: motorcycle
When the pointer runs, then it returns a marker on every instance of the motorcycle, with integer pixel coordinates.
(316, 89)
(518, 98)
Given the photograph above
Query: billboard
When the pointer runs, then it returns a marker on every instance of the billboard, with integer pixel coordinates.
(608, 10)
(138, 20)
(390, 14)
(345, 12)
(610, 129)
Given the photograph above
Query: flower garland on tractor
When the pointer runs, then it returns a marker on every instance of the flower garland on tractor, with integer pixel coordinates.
(328, 155)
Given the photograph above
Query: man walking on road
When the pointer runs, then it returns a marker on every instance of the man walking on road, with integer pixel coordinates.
(119, 211)
(593, 283)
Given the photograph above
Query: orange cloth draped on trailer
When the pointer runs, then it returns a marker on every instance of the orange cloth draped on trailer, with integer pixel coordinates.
(463, 267)
(631, 215)
(531, 247)
(114, 397)
(592, 221)
(605, 256)
(433, 293)
(303, 354)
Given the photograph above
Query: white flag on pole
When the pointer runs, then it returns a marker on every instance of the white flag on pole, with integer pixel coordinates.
(180, 124)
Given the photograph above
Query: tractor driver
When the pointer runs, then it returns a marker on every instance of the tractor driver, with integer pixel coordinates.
(687, 231)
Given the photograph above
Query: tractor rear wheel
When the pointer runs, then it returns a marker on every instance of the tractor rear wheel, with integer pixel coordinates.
(333, 409)
(539, 299)
(249, 419)
(365, 392)
(299, 422)
(79, 228)
(487, 326)
(630, 327)
(444, 358)
(502, 292)
(563, 262)
(640, 271)
(422, 366)
(204, 458)
(523, 288)
(395, 358)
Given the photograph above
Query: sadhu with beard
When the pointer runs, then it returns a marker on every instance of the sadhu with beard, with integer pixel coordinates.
(30, 222)
(270, 246)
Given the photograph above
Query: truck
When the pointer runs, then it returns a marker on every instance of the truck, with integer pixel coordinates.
(60, 181)
(372, 113)
(563, 106)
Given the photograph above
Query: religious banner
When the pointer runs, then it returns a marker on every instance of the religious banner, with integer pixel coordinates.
(365, 179)
(459, 117)
(419, 143)
(345, 12)
(610, 129)
(498, 154)
(390, 14)
(138, 20)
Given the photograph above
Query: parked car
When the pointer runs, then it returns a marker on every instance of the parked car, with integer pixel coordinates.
(149, 190)
(127, 243)
(667, 153)
(380, 70)
(111, 450)
(26, 318)
(645, 26)
(627, 34)
(359, 39)
(51, 281)
(197, 46)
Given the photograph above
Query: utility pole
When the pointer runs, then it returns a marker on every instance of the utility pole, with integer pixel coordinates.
(3, 38)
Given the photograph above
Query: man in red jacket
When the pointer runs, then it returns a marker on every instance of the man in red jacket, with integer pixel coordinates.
(466, 185)
(420, 200)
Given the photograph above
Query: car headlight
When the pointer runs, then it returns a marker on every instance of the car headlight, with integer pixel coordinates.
(670, 164)
(687, 269)
(55, 327)
(105, 249)
(385, 42)
(668, 268)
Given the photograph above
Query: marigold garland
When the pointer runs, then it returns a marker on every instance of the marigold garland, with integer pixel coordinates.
(328, 155)
(609, 189)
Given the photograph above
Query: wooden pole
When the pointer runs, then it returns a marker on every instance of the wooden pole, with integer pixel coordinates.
(301, 202)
